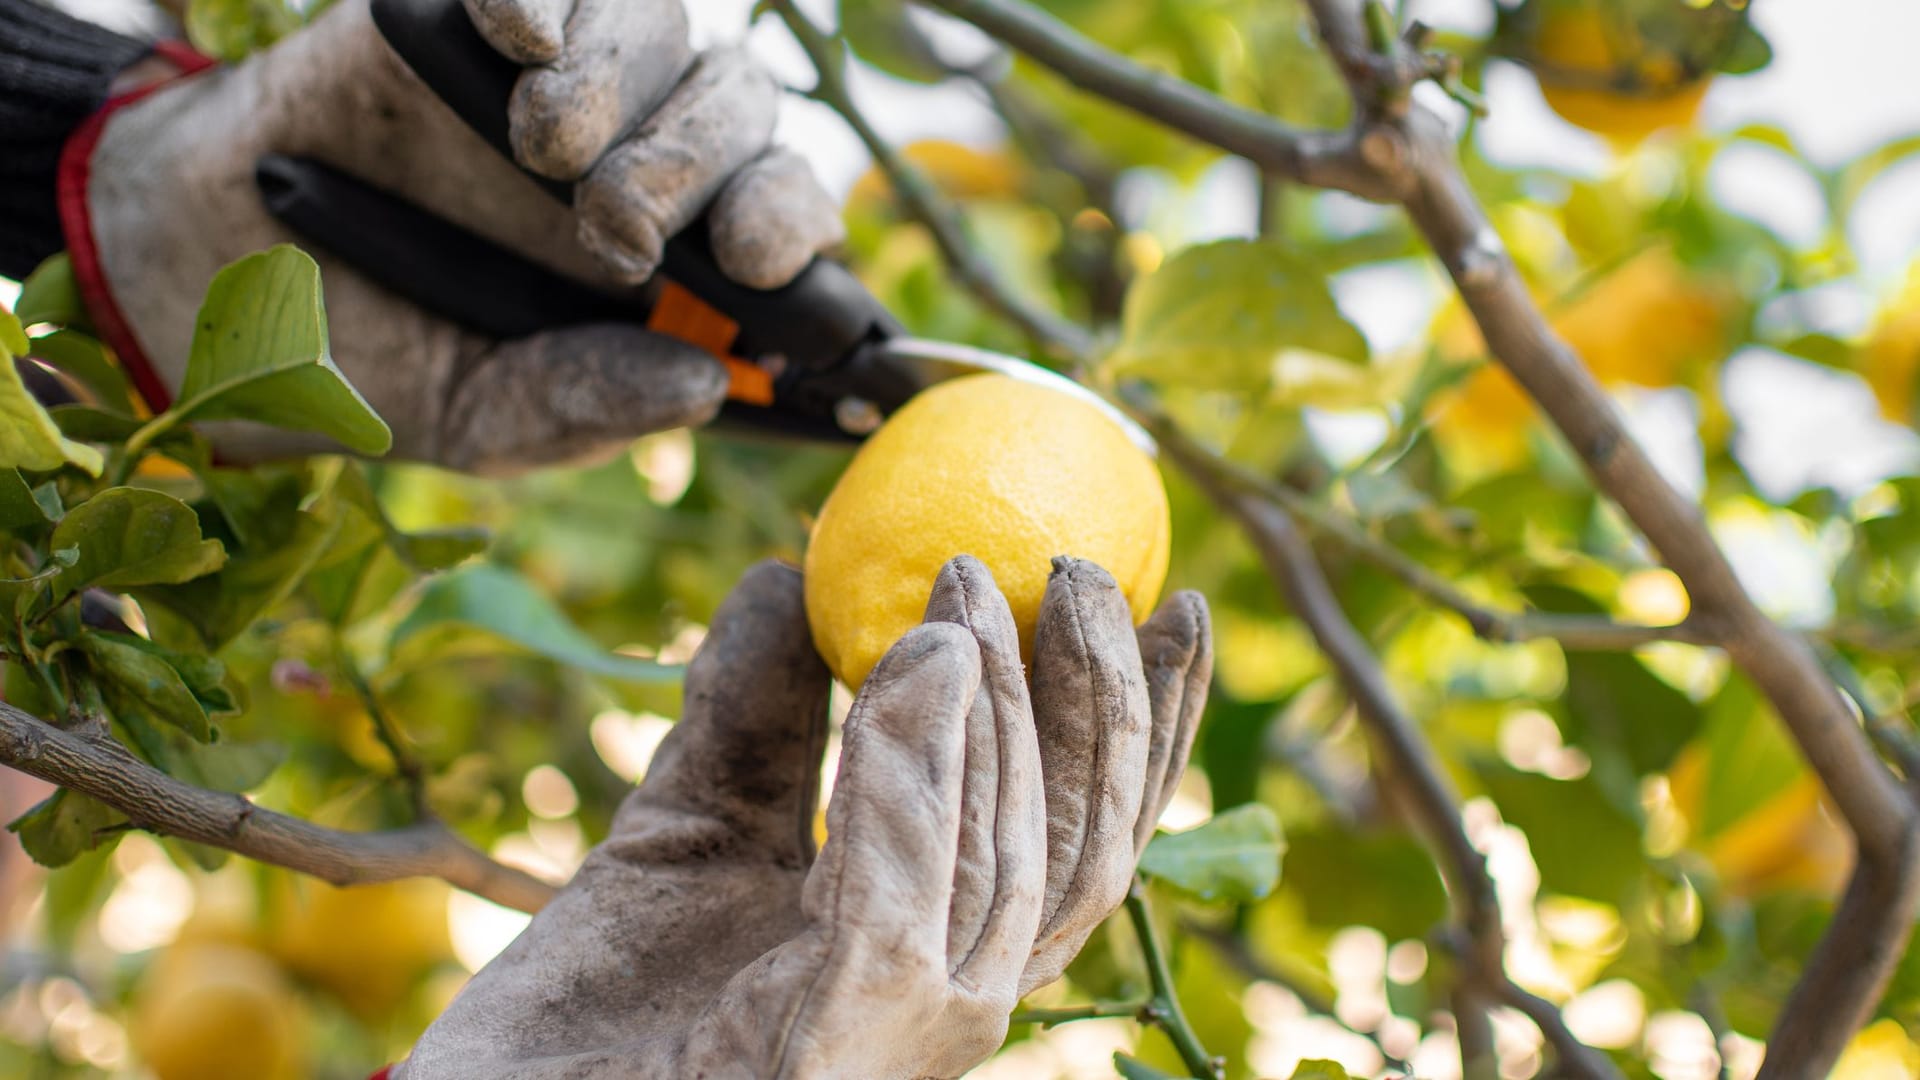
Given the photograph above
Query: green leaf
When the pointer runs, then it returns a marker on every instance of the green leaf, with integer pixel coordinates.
(876, 30)
(425, 552)
(1134, 1069)
(52, 295)
(86, 360)
(88, 424)
(1320, 1069)
(1382, 880)
(221, 606)
(1747, 52)
(17, 595)
(132, 536)
(1235, 856)
(1230, 749)
(505, 605)
(204, 675)
(29, 439)
(260, 353)
(220, 766)
(1240, 315)
(132, 678)
(1853, 179)
(64, 825)
(231, 29)
(1583, 844)
(22, 509)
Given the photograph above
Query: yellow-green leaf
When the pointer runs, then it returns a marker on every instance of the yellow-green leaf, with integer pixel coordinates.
(1229, 315)
(260, 353)
(29, 439)
(1235, 856)
(132, 536)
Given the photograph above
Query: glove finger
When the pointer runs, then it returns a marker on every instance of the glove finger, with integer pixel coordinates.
(654, 183)
(619, 61)
(747, 749)
(1090, 706)
(771, 219)
(1000, 874)
(525, 31)
(568, 394)
(1176, 652)
(882, 885)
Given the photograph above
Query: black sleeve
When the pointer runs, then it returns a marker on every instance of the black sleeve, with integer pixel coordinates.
(54, 72)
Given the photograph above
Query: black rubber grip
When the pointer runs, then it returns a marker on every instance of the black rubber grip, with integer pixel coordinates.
(813, 324)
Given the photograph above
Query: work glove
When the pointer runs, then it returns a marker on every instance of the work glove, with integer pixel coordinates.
(980, 829)
(611, 97)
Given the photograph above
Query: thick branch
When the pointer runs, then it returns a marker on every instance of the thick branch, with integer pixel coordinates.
(1779, 662)
(154, 801)
(1323, 159)
(1406, 760)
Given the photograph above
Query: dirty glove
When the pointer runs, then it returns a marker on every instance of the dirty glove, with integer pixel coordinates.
(978, 833)
(611, 96)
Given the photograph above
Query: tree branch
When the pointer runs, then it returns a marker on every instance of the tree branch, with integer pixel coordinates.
(1404, 756)
(949, 229)
(1850, 968)
(1581, 632)
(1164, 1007)
(152, 800)
(1323, 159)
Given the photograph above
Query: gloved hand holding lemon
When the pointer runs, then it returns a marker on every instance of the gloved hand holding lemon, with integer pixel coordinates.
(1012, 473)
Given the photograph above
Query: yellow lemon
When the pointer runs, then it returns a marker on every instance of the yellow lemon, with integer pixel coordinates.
(1649, 322)
(210, 1011)
(1891, 359)
(1003, 470)
(1578, 41)
(366, 944)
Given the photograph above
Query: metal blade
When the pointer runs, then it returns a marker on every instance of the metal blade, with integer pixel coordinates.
(943, 360)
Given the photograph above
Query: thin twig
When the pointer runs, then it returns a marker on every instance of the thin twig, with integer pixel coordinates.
(1099, 1010)
(412, 773)
(152, 800)
(1580, 632)
(949, 229)
(1164, 1008)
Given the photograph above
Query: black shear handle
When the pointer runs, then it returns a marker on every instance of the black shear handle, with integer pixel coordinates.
(815, 323)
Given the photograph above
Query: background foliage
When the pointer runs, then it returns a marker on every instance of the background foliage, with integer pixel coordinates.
(1663, 855)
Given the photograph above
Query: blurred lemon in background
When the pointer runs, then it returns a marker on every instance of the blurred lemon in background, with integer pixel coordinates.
(211, 1011)
(365, 944)
(1598, 73)
(1648, 322)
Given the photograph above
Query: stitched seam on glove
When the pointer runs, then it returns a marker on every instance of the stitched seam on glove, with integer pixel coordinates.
(75, 175)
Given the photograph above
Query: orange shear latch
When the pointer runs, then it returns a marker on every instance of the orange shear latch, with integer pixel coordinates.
(680, 314)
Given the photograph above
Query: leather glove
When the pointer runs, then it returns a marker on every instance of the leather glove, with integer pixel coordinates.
(979, 831)
(611, 96)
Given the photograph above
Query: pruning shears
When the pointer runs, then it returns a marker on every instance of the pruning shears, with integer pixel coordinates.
(819, 358)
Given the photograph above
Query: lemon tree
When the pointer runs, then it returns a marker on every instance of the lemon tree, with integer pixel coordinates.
(367, 644)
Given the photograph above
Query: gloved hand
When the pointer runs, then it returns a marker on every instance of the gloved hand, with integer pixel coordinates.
(612, 96)
(979, 831)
